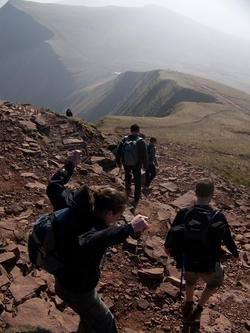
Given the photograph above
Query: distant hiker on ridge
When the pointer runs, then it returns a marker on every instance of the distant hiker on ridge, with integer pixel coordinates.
(194, 241)
(69, 113)
(132, 154)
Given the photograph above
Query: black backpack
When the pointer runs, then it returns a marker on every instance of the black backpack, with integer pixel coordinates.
(194, 239)
(48, 241)
(130, 154)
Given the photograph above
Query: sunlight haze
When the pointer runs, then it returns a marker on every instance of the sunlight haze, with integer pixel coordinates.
(231, 16)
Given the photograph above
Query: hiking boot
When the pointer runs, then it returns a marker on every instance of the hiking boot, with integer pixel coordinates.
(146, 187)
(196, 315)
(187, 308)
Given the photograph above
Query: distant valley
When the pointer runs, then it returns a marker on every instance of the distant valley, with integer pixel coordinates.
(59, 56)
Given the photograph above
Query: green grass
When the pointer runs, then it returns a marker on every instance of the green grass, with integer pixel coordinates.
(210, 135)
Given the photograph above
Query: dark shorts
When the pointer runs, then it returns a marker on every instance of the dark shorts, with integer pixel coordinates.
(213, 279)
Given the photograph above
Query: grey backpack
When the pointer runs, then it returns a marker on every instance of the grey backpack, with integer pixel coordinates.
(130, 154)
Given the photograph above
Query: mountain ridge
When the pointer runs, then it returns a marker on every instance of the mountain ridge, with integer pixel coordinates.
(154, 94)
(142, 94)
(88, 44)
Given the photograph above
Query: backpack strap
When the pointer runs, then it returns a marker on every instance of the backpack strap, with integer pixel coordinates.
(125, 138)
(215, 213)
(189, 208)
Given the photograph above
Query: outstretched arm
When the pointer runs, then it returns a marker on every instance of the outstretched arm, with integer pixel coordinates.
(96, 241)
(229, 242)
(58, 195)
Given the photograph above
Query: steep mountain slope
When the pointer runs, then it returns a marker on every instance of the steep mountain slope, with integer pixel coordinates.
(139, 283)
(150, 94)
(155, 94)
(73, 48)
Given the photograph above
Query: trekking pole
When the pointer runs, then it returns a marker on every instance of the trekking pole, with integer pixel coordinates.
(182, 273)
(104, 258)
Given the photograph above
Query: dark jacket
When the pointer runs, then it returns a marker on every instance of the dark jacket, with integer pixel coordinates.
(216, 248)
(152, 154)
(86, 245)
(142, 151)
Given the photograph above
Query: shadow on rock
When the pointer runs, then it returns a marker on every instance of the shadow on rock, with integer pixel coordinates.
(25, 329)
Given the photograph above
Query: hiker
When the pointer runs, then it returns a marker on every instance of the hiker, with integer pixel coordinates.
(69, 113)
(132, 161)
(209, 267)
(75, 282)
(152, 162)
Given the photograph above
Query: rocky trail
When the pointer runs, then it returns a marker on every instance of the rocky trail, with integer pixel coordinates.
(139, 282)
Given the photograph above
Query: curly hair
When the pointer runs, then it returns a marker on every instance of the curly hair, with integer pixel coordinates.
(111, 199)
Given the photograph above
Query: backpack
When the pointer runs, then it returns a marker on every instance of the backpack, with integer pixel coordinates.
(49, 231)
(195, 239)
(130, 155)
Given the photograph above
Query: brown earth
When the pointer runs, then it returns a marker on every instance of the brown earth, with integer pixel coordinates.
(139, 282)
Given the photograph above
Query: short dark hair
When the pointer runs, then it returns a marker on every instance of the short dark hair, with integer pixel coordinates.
(134, 128)
(204, 187)
(152, 139)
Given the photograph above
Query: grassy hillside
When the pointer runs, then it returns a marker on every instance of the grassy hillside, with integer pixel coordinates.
(211, 135)
(154, 93)
(75, 48)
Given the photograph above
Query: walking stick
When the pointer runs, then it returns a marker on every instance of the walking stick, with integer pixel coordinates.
(182, 273)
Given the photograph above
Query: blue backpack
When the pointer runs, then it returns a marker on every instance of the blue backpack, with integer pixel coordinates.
(48, 232)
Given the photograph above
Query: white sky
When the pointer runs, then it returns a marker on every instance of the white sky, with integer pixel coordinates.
(232, 16)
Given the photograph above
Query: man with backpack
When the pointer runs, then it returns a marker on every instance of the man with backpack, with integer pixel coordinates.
(85, 246)
(132, 154)
(152, 162)
(194, 241)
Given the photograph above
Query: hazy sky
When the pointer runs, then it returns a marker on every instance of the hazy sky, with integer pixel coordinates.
(232, 16)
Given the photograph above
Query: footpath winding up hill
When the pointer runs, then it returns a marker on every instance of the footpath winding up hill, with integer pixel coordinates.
(139, 282)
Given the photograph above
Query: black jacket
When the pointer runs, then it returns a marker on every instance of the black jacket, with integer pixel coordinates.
(86, 245)
(216, 249)
(152, 154)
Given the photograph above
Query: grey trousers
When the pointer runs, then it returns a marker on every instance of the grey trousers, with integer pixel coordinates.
(95, 317)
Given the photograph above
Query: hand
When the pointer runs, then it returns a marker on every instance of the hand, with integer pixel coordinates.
(74, 157)
(235, 259)
(140, 223)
